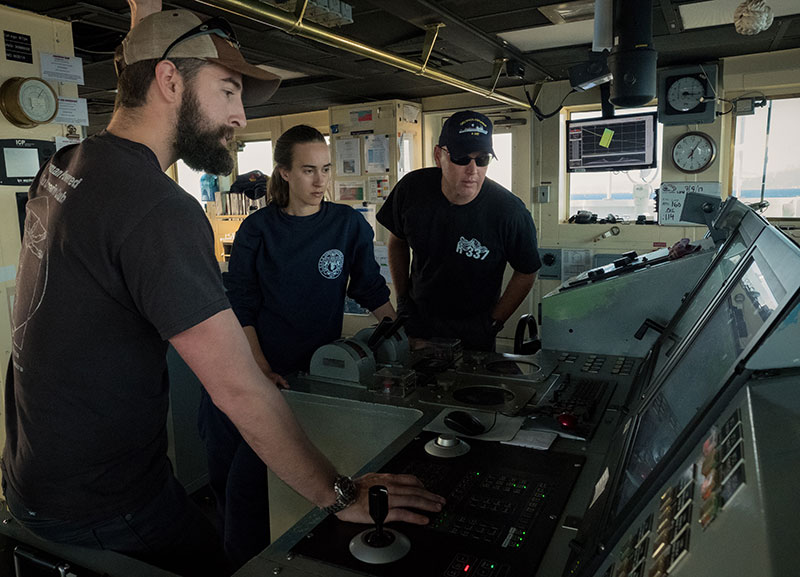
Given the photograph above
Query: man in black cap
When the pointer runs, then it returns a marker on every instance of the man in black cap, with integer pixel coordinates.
(117, 263)
(463, 228)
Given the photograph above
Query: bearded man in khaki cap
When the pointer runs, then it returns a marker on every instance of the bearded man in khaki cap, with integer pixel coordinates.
(117, 263)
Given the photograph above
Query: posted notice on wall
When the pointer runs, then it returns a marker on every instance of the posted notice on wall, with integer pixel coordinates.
(377, 188)
(62, 141)
(671, 196)
(382, 256)
(62, 68)
(72, 111)
(348, 157)
(376, 153)
(349, 190)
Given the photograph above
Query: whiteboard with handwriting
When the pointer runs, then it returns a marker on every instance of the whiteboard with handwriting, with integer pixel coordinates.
(670, 200)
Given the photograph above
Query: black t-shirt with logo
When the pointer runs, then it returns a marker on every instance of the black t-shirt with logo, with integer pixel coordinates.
(459, 251)
(116, 259)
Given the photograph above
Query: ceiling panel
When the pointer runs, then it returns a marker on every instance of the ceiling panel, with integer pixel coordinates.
(476, 33)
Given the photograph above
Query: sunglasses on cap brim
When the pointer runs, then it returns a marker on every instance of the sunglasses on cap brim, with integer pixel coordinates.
(481, 160)
(217, 26)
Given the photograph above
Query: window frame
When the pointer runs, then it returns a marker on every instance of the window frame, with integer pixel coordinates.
(770, 96)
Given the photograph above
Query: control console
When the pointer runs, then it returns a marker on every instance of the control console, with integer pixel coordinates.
(503, 504)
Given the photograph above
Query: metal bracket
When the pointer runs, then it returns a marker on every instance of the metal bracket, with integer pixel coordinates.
(299, 13)
(498, 68)
(672, 17)
(431, 34)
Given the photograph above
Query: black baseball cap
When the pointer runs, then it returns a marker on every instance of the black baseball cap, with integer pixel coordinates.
(466, 132)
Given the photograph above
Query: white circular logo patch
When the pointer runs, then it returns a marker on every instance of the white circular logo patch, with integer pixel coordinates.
(331, 263)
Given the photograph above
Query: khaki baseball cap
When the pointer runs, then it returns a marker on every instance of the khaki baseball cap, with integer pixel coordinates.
(211, 40)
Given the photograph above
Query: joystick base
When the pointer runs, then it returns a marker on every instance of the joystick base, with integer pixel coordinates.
(362, 551)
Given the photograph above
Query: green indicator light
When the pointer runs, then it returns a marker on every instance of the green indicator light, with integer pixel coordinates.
(523, 532)
(491, 566)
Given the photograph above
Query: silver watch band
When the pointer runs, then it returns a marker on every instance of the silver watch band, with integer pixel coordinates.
(346, 494)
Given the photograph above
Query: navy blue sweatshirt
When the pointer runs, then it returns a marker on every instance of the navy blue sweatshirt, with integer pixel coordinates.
(288, 276)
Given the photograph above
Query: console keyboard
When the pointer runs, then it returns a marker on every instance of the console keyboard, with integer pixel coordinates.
(580, 396)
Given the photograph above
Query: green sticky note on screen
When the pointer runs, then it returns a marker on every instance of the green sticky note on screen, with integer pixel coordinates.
(605, 140)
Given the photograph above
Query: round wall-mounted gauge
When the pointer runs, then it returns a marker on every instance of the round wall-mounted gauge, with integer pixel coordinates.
(28, 102)
(685, 93)
(694, 152)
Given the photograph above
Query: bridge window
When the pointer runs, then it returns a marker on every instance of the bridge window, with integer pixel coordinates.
(765, 166)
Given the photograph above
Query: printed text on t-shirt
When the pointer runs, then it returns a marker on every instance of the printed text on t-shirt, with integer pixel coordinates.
(472, 248)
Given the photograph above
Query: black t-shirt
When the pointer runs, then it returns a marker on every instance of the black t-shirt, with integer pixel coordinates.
(116, 259)
(459, 251)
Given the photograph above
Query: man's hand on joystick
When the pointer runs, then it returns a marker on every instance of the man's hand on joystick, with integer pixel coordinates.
(404, 491)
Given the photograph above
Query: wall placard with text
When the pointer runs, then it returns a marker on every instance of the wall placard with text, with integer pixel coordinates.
(671, 196)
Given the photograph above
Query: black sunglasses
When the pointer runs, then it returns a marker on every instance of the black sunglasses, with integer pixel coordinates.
(480, 160)
(218, 26)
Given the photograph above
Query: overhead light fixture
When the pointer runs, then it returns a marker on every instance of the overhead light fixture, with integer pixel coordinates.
(566, 12)
(506, 121)
(328, 13)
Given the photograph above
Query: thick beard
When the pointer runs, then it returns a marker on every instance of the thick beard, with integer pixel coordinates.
(201, 149)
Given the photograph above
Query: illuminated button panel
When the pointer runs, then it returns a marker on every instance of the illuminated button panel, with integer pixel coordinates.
(659, 544)
(464, 565)
(594, 363)
(622, 366)
(722, 467)
(673, 531)
(479, 501)
(634, 551)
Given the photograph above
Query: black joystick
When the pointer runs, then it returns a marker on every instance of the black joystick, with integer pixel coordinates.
(379, 545)
(378, 509)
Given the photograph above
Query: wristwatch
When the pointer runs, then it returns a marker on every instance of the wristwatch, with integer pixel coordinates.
(346, 494)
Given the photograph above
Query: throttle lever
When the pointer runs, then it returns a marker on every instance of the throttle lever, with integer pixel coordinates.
(377, 335)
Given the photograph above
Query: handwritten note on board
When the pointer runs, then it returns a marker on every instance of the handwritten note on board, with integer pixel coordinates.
(671, 196)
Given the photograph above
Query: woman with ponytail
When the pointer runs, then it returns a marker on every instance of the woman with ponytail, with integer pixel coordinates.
(292, 264)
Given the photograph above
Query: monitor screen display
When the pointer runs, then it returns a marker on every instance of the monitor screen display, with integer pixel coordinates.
(619, 143)
(21, 162)
(725, 263)
(701, 371)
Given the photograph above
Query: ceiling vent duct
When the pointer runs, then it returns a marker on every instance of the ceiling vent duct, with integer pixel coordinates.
(328, 13)
(633, 60)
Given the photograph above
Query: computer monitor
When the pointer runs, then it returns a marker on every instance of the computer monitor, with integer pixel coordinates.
(696, 302)
(763, 284)
(687, 316)
(620, 143)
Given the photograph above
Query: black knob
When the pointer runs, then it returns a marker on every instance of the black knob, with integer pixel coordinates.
(378, 509)
(378, 504)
